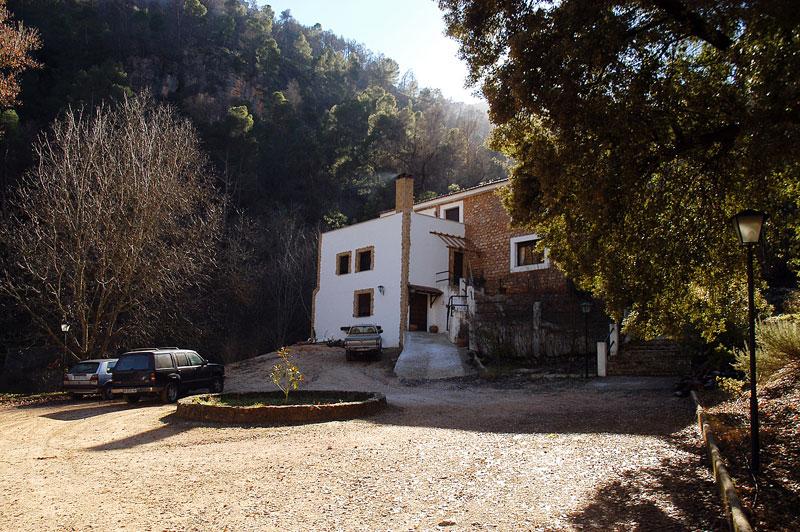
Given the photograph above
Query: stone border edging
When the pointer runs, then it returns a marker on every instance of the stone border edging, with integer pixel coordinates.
(737, 520)
(358, 404)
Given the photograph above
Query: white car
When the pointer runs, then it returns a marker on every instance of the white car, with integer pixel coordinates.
(90, 377)
(363, 339)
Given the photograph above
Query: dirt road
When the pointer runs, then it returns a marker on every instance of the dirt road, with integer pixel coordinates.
(613, 454)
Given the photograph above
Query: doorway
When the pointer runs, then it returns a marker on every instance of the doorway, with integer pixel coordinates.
(418, 312)
(458, 268)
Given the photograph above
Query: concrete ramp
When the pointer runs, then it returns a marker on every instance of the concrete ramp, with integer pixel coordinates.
(428, 356)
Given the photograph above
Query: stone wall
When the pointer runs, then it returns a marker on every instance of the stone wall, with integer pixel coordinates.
(655, 358)
(531, 314)
(521, 327)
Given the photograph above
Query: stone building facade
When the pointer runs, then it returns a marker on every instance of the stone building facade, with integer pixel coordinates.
(521, 308)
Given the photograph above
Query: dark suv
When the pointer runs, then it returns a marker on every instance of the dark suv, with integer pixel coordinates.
(166, 372)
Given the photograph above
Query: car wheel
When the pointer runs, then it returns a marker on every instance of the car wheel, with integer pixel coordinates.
(105, 393)
(132, 399)
(72, 396)
(170, 392)
(216, 385)
(348, 355)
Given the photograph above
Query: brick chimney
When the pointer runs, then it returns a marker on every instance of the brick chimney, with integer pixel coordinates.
(403, 193)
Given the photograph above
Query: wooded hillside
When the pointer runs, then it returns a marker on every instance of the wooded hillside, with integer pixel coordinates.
(303, 129)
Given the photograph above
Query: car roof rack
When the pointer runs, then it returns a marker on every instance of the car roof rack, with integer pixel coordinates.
(169, 348)
(142, 349)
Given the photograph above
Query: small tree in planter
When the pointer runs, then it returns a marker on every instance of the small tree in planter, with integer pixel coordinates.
(285, 375)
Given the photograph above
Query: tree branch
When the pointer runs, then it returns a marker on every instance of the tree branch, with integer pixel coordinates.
(694, 24)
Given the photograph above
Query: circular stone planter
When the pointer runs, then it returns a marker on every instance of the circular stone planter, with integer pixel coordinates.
(333, 406)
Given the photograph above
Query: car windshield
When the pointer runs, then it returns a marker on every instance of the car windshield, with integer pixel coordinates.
(110, 366)
(85, 367)
(133, 363)
(363, 329)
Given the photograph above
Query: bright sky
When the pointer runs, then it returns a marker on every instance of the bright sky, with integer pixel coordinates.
(409, 31)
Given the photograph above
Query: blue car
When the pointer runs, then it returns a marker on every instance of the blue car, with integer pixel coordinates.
(90, 377)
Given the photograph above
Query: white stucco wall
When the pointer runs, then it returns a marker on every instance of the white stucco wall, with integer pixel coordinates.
(333, 307)
(429, 255)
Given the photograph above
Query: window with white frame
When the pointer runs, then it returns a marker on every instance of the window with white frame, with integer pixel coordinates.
(452, 211)
(525, 255)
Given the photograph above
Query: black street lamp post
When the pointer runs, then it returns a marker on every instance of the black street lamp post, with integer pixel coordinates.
(65, 330)
(586, 308)
(748, 224)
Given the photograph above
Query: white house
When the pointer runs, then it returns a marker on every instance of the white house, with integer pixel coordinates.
(394, 271)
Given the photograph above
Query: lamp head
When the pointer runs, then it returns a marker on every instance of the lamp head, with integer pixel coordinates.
(748, 224)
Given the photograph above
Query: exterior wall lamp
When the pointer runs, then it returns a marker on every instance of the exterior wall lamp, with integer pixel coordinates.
(381, 289)
(748, 224)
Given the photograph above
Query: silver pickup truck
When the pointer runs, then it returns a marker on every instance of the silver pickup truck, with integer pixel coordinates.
(362, 339)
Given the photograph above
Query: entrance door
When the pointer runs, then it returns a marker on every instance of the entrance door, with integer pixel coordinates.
(458, 267)
(418, 311)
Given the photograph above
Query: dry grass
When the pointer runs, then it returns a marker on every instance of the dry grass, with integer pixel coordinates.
(778, 346)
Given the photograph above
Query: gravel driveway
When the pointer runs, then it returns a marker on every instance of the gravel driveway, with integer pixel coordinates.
(513, 454)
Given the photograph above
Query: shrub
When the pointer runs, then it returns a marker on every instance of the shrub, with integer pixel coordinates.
(731, 387)
(792, 303)
(778, 343)
(285, 375)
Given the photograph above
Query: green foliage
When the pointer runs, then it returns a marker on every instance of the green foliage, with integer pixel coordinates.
(9, 121)
(302, 48)
(721, 356)
(777, 344)
(729, 386)
(195, 8)
(285, 375)
(638, 129)
(334, 219)
(308, 118)
(239, 121)
(452, 188)
(106, 80)
(426, 195)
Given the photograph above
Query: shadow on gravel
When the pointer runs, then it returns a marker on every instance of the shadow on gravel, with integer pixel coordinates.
(171, 426)
(86, 411)
(566, 412)
(678, 494)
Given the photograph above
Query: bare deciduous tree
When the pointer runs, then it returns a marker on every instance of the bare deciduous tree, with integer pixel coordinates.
(116, 218)
(292, 268)
(262, 295)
